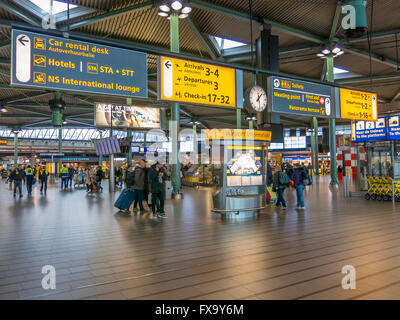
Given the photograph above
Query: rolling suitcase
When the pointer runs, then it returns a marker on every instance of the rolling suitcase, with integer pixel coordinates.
(125, 200)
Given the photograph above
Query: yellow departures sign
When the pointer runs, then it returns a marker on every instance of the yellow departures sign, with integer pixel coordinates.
(358, 105)
(192, 82)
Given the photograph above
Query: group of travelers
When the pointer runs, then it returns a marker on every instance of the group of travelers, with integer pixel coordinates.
(285, 176)
(27, 175)
(143, 180)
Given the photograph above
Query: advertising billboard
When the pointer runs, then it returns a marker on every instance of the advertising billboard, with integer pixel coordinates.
(122, 116)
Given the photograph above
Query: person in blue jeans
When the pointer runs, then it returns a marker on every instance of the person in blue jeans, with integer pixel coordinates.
(280, 181)
(300, 178)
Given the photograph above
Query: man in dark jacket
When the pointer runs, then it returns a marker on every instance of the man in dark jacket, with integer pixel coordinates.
(30, 177)
(299, 177)
(43, 176)
(279, 184)
(17, 176)
(156, 179)
(71, 172)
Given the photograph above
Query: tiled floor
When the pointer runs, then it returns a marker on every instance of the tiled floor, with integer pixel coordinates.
(101, 254)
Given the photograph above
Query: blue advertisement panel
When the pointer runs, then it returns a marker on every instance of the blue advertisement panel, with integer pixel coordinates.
(48, 62)
(366, 131)
(393, 127)
(300, 97)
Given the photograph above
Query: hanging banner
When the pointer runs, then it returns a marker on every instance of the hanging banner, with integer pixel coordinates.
(300, 97)
(193, 82)
(43, 61)
(366, 131)
(358, 105)
(121, 116)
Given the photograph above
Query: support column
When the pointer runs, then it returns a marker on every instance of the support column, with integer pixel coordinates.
(15, 149)
(332, 126)
(101, 156)
(238, 118)
(195, 144)
(316, 160)
(250, 124)
(175, 121)
(129, 157)
(111, 182)
(59, 148)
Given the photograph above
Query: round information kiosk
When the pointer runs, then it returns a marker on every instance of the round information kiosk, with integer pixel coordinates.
(238, 161)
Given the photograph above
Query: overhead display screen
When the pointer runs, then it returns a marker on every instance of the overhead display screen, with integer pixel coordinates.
(291, 143)
(193, 82)
(245, 166)
(358, 105)
(300, 97)
(364, 131)
(121, 116)
(44, 61)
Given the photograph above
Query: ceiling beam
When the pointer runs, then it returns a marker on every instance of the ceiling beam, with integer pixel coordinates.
(22, 15)
(375, 57)
(396, 96)
(335, 21)
(246, 17)
(365, 79)
(32, 124)
(32, 110)
(195, 28)
(375, 35)
(111, 14)
(13, 99)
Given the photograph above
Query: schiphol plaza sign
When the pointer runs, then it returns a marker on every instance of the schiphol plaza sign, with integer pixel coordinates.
(45, 61)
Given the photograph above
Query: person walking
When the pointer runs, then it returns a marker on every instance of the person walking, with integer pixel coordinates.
(43, 176)
(279, 184)
(71, 172)
(300, 182)
(64, 177)
(156, 179)
(17, 175)
(30, 177)
(138, 187)
(99, 177)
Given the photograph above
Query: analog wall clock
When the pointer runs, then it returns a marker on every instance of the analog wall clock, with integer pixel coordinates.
(256, 99)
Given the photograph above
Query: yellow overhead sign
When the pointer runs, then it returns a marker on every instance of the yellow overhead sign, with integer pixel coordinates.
(358, 105)
(192, 82)
(3, 141)
(237, 134)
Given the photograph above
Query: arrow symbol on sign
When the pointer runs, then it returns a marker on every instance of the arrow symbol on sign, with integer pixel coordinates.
(22, 40)
(168, 64)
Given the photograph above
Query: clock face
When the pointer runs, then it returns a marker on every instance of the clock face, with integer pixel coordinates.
(258, 98)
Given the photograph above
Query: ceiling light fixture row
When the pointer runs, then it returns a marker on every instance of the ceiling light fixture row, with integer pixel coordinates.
(333, 51)
(174, 6)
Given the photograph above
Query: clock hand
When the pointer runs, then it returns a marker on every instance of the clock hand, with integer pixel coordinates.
(259, 96)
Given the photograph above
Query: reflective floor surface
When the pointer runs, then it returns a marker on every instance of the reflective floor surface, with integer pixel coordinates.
(101, 254)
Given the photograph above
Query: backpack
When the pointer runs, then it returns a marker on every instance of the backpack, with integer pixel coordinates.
(283, 178)
(130, 179)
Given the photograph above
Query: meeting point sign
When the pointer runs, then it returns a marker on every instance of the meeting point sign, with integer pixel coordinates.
(49, 62)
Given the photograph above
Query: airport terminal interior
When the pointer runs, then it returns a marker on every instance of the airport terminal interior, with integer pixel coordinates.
(199, 150)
